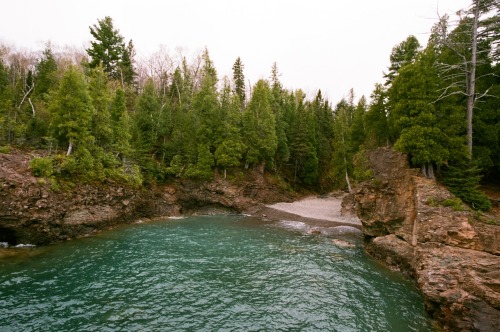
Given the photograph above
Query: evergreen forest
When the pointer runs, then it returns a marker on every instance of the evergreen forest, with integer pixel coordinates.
(101, 115)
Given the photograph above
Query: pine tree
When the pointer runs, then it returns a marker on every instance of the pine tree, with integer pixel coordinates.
(358, 132)
(462, 179)
(278, 108)
(229, 145)
(206, 106)
(239, 82)
(46, 75)
(303, 142)
(402, 54)
(101, 99)
(325, 138)
(423, 131)
(5, 102)
(72, 110)
(147, 126)
(342, 157)
(259, 126)
(108, 50)
(121, 125)
(377, 128)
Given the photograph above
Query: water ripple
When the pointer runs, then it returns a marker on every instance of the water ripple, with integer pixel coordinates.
(205, 274)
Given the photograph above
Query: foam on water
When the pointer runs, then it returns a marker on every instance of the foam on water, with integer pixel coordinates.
(220, 273)
(25, 245)
(294, 225)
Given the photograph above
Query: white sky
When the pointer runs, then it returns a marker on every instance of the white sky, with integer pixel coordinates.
(330, 45)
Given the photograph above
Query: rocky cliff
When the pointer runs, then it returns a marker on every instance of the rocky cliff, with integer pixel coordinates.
(32, 211)
(412, 224)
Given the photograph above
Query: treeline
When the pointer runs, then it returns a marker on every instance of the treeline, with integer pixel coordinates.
(440, 104)
(101, 114)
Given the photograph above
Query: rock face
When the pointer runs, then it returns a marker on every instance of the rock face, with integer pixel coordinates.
(31, 211)
(453, 257)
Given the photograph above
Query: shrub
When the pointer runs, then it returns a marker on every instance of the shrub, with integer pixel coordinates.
(462, 179)
(362, 171)
(5, 149)
(42, 167)
(454, 203)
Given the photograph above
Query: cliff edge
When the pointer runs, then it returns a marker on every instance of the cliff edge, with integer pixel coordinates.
(454, 256)
(32, 211)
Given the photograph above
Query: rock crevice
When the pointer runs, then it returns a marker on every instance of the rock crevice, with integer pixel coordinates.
(453, 257)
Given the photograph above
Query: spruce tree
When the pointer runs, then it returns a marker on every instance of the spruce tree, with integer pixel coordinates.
(278, 108)
(342, 157)
(229, 144)
(239, 82)
(377, 128)
(462, 179)
(259, 126)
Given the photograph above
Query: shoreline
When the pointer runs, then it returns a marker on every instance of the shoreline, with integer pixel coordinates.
(314, 211)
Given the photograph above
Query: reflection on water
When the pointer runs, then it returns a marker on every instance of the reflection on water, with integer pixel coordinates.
(218, 273)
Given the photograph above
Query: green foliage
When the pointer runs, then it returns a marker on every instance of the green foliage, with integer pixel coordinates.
(259, 126)
(279, 107)
(462, 179)
(239, 82)
(100, 95)
(72, 109)
(120, 125)
(42, 167)
(342, 158)
(361, 166)
(109, 51)
(402, 54)
(454, 203)
(46, 75)
(202, 169)
(422, 126)
(5, 149)
(228, 153)
(376, 125)
(432, 201)
(303, 140)
(178, 120)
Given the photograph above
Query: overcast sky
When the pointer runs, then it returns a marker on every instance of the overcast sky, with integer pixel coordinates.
(318, 44)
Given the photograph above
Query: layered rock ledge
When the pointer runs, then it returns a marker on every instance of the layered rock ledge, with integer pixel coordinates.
(454, 256)
(32, 211)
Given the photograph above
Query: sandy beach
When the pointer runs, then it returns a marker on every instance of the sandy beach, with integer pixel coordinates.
(315, 211)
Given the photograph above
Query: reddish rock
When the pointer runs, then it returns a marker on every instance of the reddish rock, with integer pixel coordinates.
(453, 257)
(31, 212)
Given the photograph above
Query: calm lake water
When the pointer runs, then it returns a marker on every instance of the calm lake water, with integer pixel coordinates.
(218, 273)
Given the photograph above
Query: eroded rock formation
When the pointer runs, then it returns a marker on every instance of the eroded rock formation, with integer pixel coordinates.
(452, 255)
(31, 211)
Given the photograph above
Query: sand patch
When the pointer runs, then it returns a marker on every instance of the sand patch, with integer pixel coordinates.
(326, 209)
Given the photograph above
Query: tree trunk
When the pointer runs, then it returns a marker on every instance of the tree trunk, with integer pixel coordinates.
(347, 176)
(430, 171)
(348, 182)
(472, 78)
(70, 148)
(423, 170)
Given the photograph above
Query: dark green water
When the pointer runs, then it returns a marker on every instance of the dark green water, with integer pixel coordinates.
(225, 273)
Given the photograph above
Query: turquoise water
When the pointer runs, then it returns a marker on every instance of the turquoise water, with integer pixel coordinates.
(221, 273)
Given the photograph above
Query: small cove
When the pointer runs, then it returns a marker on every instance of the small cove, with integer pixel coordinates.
(213, 273)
